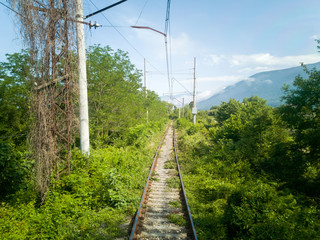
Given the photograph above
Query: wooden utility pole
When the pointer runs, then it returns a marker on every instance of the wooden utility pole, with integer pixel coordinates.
(83, 102)
(145, 86)
(194, 108)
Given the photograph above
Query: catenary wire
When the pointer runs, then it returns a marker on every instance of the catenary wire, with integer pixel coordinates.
(137, 51)
(145, 4)
(182, 86)
(12, 9)
(167, 28)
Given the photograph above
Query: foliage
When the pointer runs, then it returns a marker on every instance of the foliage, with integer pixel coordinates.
(14, 98)
(116, 98)
(250, 171)
(13, 168)
(95, 202)
(100, 196)
(241, 175)
(177, 219)
(302, 113)
(226, 109)
(14, 106)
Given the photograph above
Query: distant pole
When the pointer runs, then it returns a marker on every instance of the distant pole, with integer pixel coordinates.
(82, 71)
(182, 107)
(145, 86)
(179, 112)
(194, 109)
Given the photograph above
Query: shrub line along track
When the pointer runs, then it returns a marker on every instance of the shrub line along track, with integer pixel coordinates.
(164, 212)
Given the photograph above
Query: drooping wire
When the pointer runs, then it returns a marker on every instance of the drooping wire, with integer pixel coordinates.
(145, 4)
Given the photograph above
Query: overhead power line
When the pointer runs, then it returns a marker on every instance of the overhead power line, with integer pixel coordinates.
(182, 86)
(11, 9)
(133, 47)
(110, 26)
(104, 9)
(165, 34)
(145, 4)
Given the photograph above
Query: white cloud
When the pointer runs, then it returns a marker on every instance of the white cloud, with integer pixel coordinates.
(268, 81)
(260, 61)
(204, 94)
(181, 45)
(214, 59)
(238, 60)
(266, 59)
(249, 81)
(227, 79)
(250, 70)
(315, 37)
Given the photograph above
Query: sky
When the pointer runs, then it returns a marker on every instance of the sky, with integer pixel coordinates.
(231, 39)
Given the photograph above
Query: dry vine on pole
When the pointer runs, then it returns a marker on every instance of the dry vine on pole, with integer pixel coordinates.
(48, 29)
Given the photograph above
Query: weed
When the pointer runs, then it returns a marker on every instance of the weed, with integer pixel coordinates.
(175, 204)
(154, 174)
(173, 182)
(177, 219)
(155, 179)
(170, 164)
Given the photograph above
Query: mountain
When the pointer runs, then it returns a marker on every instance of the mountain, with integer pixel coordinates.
(266, 85)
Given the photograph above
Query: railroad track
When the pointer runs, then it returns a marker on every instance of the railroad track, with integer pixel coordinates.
(163, 211)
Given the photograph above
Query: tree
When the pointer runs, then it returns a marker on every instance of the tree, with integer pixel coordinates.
(301, 111)
(226, 109)
(117, 100)
(14, 121)
(14, 97)
(253, 131)
(157, 109)
(113, 89)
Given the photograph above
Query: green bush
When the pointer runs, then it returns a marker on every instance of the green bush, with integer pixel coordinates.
(240, 177)
(13, 169)
(96, 201)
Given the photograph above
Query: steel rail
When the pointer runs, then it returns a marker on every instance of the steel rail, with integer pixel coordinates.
(146, 186)
(183, 191)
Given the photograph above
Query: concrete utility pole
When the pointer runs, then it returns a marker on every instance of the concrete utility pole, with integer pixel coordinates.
(182, 107)
(194, 109)
(83, 102)
(145, 86)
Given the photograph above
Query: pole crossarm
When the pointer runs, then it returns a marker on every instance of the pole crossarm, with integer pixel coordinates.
(174, 94)
(90, 24)
(50, 83)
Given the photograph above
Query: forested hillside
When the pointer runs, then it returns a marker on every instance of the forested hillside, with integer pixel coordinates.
(102, 193)
(267, 85)
(252, 171)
